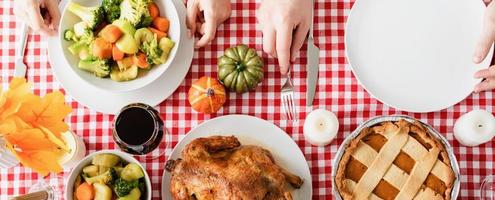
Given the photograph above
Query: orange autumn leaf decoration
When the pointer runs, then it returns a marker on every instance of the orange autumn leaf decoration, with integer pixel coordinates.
(32, 126)
(34, 150)
(11, 100)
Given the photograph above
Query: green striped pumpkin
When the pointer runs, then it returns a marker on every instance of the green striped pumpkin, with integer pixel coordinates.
(240, 69)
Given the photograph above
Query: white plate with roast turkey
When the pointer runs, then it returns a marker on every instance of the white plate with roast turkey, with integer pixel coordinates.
(237, 153)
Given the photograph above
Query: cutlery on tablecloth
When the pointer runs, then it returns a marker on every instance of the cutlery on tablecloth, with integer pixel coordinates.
(313, 64)
(287, 98)
(20, 66)
(40, 195)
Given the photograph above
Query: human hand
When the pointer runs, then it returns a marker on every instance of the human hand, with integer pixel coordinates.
(285, 24)
(41, 15)
(483, 47)
(204, 16)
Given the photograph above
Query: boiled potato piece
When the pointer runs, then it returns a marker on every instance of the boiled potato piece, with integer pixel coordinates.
(131, 172)
(133, 195)
(102, 169)
(106, 159)
(125, 26)
(91, 170)
(124, 75)
(125, 63)
(127, 44)
(143, 35)
(118, 170)
(102, 192)
(166, 44)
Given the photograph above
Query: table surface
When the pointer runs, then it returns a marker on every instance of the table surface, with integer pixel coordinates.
(337, 90)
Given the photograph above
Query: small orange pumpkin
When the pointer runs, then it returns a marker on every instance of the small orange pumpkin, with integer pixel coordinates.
(206, 95)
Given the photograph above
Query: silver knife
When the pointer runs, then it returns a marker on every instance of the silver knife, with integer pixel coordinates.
(313, 64)
(20, 67)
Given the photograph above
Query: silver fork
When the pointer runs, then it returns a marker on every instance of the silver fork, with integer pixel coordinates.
(287, 98)
(20, 66)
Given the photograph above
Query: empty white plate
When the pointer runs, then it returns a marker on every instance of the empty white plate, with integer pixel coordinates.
(415, 55)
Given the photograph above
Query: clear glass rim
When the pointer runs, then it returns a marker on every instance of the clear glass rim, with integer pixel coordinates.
(482, 189)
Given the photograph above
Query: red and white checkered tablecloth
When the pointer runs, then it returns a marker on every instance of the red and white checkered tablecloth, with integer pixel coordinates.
(337, 91)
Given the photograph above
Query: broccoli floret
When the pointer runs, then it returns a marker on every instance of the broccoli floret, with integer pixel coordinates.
(81, 29)
(77, 47)
(136, 12)
(100, 68)
(70, 35)
(112, 9)
(93, 16)
(145, 21)
(122, 187)
(142, 186)
(153, 51)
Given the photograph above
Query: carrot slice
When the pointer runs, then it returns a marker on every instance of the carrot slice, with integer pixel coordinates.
(117, 54)
(85, 191)
(154, 10)
(100, 27)
(102, 49)
(140, 60)
(159, 34)
(111, 33)
(161, 24)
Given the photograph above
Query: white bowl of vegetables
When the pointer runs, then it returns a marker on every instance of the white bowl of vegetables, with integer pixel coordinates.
(108, 175)
(119, 45)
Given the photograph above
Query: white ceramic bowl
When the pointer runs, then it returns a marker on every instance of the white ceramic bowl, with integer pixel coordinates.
(69, 186)
(145, 77)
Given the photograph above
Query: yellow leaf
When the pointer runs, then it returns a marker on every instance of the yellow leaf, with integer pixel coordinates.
(35, 151)
(11, 100)
(7, 126)
(12, 124)
(48, 112)
(32, 126)
(37, 160)
(60, 143)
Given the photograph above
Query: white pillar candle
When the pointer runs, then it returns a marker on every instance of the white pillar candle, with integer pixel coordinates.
(475, 128)
(320, 127)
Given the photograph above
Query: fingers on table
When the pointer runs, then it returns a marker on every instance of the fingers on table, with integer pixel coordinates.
(36, 21)
(487, 36)
(208, 29)
(298, 40)
(192, 13)
(269, 41)
(485, 73)
(52, 7)
(283, 45)
(487, 84)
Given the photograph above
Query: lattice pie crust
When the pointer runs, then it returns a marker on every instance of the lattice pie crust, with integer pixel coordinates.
(395, 160)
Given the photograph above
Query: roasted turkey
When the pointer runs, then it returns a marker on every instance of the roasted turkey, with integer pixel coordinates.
(219, 168)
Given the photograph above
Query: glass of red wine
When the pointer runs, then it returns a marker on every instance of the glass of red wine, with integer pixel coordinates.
(139, 130)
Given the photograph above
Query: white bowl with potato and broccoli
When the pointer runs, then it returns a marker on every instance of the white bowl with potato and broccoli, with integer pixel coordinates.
(108, 175)
(119, 45)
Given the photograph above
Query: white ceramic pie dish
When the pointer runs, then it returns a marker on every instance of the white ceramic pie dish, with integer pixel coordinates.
(379, 119)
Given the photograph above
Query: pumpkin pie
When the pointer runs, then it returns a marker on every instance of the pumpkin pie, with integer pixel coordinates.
(395, 160)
